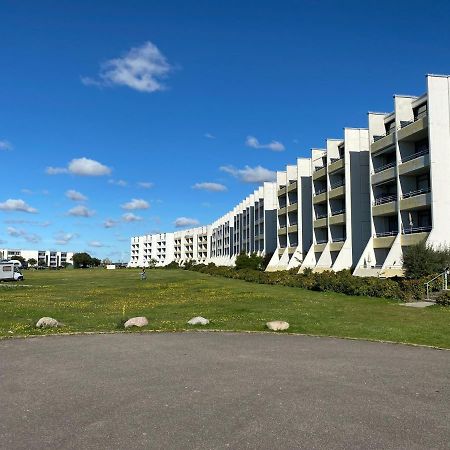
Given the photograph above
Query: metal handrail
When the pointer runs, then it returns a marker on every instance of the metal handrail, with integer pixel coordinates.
(337, 184)
(385, 167)
(338, 239)
(318, 168)
(320, 191)
(337, 212)
(321, 216)
(386, 199)
(333, 160)
(322, 241)
(416, 192)
(413, 230)
(444, 276)
(415, 155)
(386, 233)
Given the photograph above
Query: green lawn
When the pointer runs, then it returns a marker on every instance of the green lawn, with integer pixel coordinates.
(94, 300)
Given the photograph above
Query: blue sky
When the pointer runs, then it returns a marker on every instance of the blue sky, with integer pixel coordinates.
(133, 104)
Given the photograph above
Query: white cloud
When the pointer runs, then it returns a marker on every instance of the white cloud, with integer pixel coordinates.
(121, 183)
(209, 136)
(63, 238)
(142, 69)
(29, 237)
(75, 196)
(5, 145)
(44, 224)
(110, 223)
(130, 217)
(145, 184)
(16, 205)
(96, 244)
(80, 211)
(212, 187)
(182, 222)
(249, 174)
(81, 166)
(275, 146)
(136, 203)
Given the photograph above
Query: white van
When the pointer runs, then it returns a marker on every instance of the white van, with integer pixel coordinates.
(9, 271)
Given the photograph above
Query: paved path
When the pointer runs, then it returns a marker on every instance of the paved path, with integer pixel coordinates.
(221, 391)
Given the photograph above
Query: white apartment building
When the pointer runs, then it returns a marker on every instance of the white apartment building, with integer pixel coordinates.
(294, 225)
(358, 203)
(409, 185)
(340, 198)
(47, 258)
(249, 227)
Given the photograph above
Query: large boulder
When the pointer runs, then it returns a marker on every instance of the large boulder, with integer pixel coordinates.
(47, 322)
(198, 321)
(277, 325)
(136, 322)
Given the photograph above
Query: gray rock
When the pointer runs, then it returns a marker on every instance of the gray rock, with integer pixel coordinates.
(277, 325)
(47, 322)
(198, 321)
(136, 322)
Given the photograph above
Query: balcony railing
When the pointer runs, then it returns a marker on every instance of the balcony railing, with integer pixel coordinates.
(417, 192)
(321, 216)
(385, 199)
(337, 212)
(338, 239)
(320, 191)
(321, 241)
(318, 168)
(384, 167)
(413, 230)
(387, 233)
(415, 155)
(337, 184)
(333, 160)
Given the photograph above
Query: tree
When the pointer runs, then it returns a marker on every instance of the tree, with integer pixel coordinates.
(81, 260)
(32, 262)
(422, 260)
(95, 262)
(106, 262)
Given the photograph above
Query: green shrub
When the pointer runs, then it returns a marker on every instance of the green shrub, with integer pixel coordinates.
(422, 260)
(443, 298)
(172, 265)
(252, 261)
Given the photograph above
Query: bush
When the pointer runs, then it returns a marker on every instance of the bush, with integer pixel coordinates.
(172, 265)
(243, 261)
(423, 260)
(443, 298)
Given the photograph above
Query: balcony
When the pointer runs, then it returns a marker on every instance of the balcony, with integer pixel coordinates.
(292, 186)
(320, 223)
(337, 192)
(282, 191)
(282, 230)
(336, 164)
(293, 229)
(282, 211)
(409, 130)
(386, 205)
(320, 198)
(416, 199)
(319, 172)
(292, 208)
(414, 163)
(415, 235)
(385, 239)
(337, 217)
(381, 142)
(384, 173)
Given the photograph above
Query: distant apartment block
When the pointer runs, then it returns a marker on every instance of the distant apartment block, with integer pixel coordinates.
(46, 258)
(357, 204)
(249, 227)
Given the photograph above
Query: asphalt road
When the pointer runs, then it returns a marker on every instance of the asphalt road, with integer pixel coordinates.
(221, 391)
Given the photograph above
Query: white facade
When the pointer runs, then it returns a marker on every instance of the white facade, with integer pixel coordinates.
(341, 211)
(409, 186)
(47, 258)
(294, 225)
(357, 204)
(249, 227)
